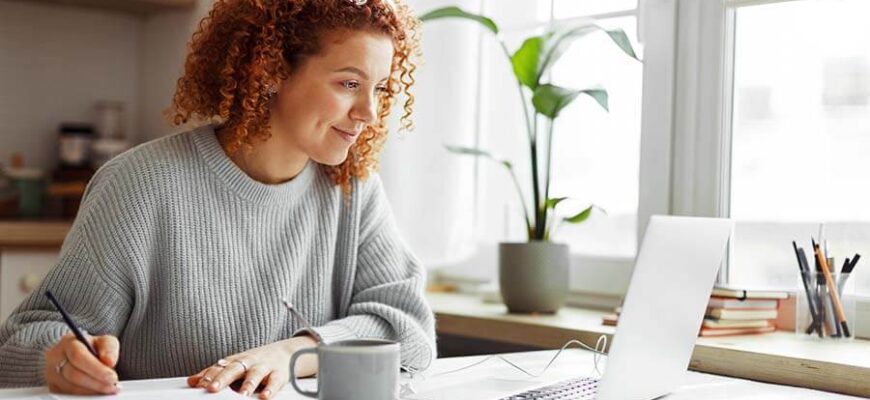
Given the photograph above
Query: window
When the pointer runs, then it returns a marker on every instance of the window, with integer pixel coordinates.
(800, 136)
(597, 154)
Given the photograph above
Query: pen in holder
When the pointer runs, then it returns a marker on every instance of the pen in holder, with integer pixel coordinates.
(816, 312)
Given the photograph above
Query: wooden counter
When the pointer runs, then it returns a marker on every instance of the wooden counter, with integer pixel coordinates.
(33, 233)
(780, 357)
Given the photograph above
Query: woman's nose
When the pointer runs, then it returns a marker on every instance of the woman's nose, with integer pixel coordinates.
(365, 110)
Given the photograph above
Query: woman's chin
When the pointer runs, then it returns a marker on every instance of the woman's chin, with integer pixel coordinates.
(331, 159)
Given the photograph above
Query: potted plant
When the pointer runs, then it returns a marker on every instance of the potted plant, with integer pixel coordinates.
(533, 275)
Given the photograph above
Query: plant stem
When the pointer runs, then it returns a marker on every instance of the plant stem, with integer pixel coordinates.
(549, 161)
(529, 130)
(539, 223)
(530, 133)
(522, 200)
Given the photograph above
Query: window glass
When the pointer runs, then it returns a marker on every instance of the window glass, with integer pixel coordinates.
(800, 135)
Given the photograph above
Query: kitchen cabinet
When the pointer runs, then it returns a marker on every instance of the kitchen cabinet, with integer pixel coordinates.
(21, 271)
(28, 250)
(140, 7)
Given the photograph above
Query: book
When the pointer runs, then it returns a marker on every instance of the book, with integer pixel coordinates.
(735, 293)
(730, 323)
(725, 313)
(731, 303)
(708, 332)
(610, 320)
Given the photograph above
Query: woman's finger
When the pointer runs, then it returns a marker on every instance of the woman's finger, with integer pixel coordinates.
(194, 379)
(79, 356)
(65, 387)
(108, 348)
(252, 380)
(76, 377)
(236, 369)
(208, 376)
(274, 383)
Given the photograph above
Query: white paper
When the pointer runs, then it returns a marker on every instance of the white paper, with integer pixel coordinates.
(165, 389)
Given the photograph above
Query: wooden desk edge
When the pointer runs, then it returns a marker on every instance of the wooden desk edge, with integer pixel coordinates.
(812, 374)
(33, 233)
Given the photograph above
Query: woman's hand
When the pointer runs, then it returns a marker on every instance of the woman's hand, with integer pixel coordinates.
(70, 368)
(268, 365)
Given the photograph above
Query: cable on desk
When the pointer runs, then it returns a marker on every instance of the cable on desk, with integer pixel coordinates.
(598, 351)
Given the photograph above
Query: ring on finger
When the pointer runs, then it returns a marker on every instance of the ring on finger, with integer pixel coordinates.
(221, 363)
(245, 366)
(59, 367)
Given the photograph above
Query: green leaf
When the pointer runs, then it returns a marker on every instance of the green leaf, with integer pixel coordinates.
(582, 216)
(558, 42)
(621, 39)
(456, 12)
(478, 153)
(552, 203)
(525, 61)
(549, 100)
(600, 96)
(560, 39)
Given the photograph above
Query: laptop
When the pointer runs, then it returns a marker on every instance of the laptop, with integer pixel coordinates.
(671, 284)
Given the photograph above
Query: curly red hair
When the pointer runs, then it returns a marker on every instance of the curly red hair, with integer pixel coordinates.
(244, 46)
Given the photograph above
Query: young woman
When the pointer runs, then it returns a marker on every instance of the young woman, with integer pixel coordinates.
(184, 247)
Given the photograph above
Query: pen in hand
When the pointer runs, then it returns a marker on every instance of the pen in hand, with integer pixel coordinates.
(70, 323)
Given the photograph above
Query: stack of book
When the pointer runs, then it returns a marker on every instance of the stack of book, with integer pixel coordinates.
(611, 319)
(741, 312)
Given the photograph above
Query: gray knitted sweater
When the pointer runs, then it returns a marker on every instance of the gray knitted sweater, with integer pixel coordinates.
(184, 258)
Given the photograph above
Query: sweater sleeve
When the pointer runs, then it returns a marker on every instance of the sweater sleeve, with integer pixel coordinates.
(81, 284)
(388, 290)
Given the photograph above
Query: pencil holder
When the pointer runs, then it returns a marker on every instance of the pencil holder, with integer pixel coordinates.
(816, 311)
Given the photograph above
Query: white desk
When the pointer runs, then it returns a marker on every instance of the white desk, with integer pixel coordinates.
(494, 379)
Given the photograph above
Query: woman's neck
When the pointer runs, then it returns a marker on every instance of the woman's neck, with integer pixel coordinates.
(267, 161)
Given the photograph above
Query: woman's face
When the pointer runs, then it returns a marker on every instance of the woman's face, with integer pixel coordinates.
(323, 107)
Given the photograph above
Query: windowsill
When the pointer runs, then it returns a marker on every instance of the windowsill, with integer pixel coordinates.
(780, 357)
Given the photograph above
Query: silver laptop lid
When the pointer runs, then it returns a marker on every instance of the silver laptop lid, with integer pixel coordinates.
(663, 308)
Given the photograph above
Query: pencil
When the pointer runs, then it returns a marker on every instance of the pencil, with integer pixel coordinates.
(70, 323)
(838, 307)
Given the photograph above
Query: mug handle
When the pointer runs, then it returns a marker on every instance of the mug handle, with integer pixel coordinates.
(311, 350)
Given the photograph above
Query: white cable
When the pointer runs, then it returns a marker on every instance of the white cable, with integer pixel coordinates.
(598, 351)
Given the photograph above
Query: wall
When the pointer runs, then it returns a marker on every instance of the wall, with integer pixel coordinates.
(165, 39)
(55, 63)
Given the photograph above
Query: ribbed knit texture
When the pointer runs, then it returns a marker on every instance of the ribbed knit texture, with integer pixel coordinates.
(184, 258)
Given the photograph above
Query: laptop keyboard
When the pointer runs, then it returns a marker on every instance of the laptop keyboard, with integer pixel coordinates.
(571, 389)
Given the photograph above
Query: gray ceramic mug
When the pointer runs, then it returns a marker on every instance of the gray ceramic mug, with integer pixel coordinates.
(359, 369)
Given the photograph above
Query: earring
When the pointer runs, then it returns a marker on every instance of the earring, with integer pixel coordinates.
(271, 90)
(358, 2)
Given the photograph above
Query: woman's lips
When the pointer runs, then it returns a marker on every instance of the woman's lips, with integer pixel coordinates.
(347, 136)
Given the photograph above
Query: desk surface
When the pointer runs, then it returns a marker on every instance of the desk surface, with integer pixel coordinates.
(492, 380)
(780, 357)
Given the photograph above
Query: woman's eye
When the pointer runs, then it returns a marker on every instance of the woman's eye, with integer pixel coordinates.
(381, 89)
(350, 85)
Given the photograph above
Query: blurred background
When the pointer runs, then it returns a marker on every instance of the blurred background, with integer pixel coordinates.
(83, 80)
